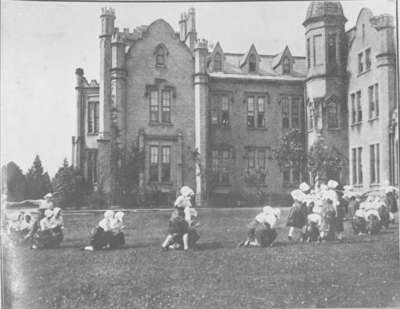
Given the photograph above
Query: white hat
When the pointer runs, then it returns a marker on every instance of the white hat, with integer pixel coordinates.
(48, 195)
(332, 184)
(108, 214)
(119, 215)
(347, 188)
(277, 212)
(304, 187)
(186, 191)
(268, 209)
(297, 195)
(48, 213)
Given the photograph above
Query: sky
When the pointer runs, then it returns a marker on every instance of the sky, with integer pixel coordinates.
(42, 43)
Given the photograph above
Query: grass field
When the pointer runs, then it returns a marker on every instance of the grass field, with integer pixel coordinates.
(362, 271)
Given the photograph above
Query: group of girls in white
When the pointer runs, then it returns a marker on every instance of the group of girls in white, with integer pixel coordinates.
(45, 231)
(108, 234)
(317, 214)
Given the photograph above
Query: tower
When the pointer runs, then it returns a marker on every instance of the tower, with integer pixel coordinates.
(104, 143)
(78, 141)
(326, 79)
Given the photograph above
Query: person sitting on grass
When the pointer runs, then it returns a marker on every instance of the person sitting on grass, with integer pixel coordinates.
(116, 226)
(101, 235)
(178, 232)
(43, 238)
(297, 214)
(57, 225)
(261, 230)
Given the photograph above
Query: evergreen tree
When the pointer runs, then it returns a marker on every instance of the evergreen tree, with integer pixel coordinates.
(69, 186)
(38, 183)
(13, 183)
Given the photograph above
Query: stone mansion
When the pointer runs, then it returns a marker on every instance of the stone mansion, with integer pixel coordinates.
(193, 110)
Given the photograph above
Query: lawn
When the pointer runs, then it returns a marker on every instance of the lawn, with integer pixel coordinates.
(362, 271)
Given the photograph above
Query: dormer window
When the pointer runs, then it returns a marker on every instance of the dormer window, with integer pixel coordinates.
(217, 62)
(286, 65)
(252, 63)
(160, 56)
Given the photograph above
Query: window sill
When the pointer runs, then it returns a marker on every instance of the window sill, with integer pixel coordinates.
(374, 185)
(356, 124)
(364, 72)
(373, 119)
(256, 129)
(358, 185)
(161, 124)
(93, 133)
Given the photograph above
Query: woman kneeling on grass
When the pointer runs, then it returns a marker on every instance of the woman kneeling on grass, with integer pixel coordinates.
(261, 231)
(49, 234)
(118, 238)
(102, 234)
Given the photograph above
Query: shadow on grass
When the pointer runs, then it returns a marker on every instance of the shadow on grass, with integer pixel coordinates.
(209, 246)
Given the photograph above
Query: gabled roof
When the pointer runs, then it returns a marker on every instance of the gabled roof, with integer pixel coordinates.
(245, 58)
(279, 57)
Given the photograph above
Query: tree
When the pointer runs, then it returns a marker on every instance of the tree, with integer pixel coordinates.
(37, 182)
(70, 186)
(13, 183)
(324, 161)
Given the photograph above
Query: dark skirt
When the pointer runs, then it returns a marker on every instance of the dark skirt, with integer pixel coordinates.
(359, 225)
(178, 226)
(117, 240)
(384, 214)
(373, 224)
(297, 216)
(353, 207)
(193, 237)
(48, 239)
(391, 202)
(265, 235)
(99, 238)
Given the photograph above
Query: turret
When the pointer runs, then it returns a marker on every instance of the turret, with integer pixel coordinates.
(187, 25)
(326, 79)
(77, 142)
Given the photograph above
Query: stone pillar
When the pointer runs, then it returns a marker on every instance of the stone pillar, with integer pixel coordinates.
(179, 160)
(80, 120)
(201, 117)
(141, 149)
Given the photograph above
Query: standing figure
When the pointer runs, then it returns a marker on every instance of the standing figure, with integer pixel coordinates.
(297, 214)
(339, 208)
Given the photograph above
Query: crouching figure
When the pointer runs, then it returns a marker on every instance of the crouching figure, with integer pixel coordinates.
(50, 232)
(261, 231)
(312, 230)
(101, 235)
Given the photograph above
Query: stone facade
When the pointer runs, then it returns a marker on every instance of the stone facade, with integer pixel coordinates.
(209, 119)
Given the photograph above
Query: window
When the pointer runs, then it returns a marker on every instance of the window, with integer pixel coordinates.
(371, 102)
(318, 50)
(260, 112)
(225, 111)
(359, 166)
(310, 118)
(285, 112)
(374, 164)
(333, 115)
(332, 48)
(376, 100)
(154, 109)
(353, 109)
(160, 163)
(166, 106)
(286, 65)
(221, 165)
(93, 117)
(166, 164)
(291, 112)
(217, 62)
(359, 107)
(220, 110)
(308, 54)
(368, 59)
(252, 63)
(160, 101)
(250, 112)
(360, 63)
(291, 175)
(160, 56)
(295, 113)
(92, 166)
(153, 163)
(256, 165)
(363, 32)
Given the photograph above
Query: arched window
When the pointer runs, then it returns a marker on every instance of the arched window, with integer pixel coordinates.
(252, 63)
(217, 62)
(286, 65)
(333, 113)
(160, 56)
